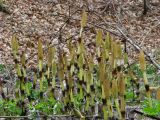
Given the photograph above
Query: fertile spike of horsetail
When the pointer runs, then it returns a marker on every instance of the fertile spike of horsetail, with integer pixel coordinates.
(122, 107)
(81, 48)
(80, 58)
(122, 93)
(101, 63)
(81, 61)
(90, 63)
(72, 59)
(65, 63)
(119, 50)
(40, 50)
(106, 84)
(14, 44)
(49, 64)
(104, 53)
(143, 69)
(80, 91)
(81, 74)
(121, 85)
(54, 71)
(103, 93)
(65, 81)
(50, 71)
(142, 61)
(125, 57)
(108, 92)
(23, 62)
(158, 94)
(71, 96)
(108, 42)
(40, 64)
(98, 41)
(61, 70)
(87, 78)
(72, 69)
(114, 47)
(111, 55)
(89, 81)
(70, 81)
(50, 56)
(143, 66)
(114, 54)
(99, 37)
(61, 77)
(83, 21)
(115, 95)
(114, 88)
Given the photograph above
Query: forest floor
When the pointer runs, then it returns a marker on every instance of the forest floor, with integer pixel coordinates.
(46, 19)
